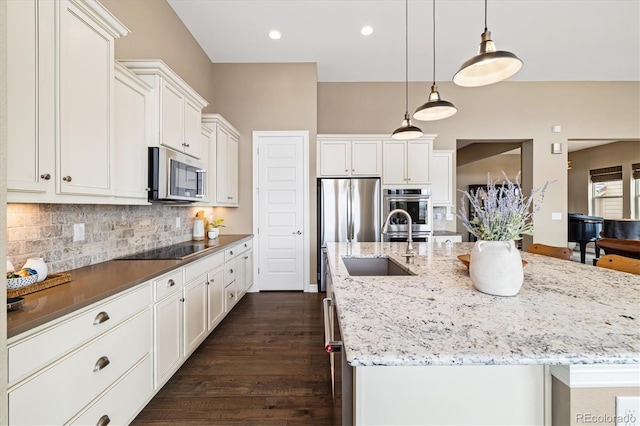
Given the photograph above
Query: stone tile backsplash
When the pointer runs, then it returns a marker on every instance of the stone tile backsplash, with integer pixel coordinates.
(46, 230)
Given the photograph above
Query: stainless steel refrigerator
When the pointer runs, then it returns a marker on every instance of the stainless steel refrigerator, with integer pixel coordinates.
(349, 210)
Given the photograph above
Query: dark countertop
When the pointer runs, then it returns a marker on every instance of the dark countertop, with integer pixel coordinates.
(93, 283)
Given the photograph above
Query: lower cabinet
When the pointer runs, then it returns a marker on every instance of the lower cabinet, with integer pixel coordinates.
(84, 373)
(102, 364)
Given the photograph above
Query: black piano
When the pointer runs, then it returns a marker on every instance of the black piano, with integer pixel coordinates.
(584, 229)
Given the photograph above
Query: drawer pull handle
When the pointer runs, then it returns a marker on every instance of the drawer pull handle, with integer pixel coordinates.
(100, 318)
(246, 257)
(171, 283)
(231, 252)
(103, 421)
(182, 299)
(101, 363)
(231, 295)
(231, 270)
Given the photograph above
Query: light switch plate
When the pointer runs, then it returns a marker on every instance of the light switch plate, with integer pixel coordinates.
(177, 222)
(627, 410)
(78, 232)
(556, 216)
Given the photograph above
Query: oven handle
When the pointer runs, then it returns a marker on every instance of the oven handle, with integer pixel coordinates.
(329, 344)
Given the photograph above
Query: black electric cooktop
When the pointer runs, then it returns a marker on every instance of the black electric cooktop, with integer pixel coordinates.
(176, 251)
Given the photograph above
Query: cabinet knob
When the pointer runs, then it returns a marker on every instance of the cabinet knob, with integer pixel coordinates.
(186, 145)
(231, 252)
(45, 176)
(229, 198)
(101, 363)
(231, 270)
(346, 170)
(246, 257)
(147, 189)
(182, 299)
(103, 421)
(171, 283)
(231, 295)
(67, 178)
(353, 170)
(100, 318)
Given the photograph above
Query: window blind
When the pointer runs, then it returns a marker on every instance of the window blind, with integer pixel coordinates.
(606, 174)
(635, 170)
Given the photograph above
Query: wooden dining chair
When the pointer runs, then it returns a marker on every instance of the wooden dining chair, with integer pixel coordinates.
(543, 249)
(619, 263)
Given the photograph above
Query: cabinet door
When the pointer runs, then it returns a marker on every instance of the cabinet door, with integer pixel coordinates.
(23, 144)
(241, 275)
(168, 333)
(232, 171)
(418, 162)
(85, 79)
(393, 162)
(335, 158)
(442, 178)
(248, 265)
(131, 136)
(222, 149)
(192, 129)
(215, 295)
(366, 158)
(172, 117)
(195, 314)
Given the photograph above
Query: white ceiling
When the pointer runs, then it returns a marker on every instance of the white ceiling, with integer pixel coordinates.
(558, 40)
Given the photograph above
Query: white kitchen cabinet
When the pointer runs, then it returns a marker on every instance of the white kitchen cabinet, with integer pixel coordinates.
(84, 76)
(223, 161)
(60, 101)
(244, 267)
(215, 298)
(442, 170)
(344, 156)
(407, 163)
(87, 352)
(132, 134)
(195, 314)
(168, 314)
(177, 108)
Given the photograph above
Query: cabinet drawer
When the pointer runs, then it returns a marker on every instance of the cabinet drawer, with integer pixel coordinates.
(202, 266)
(242, 247)
(27, 355)
(167, 284)
(230, 297)
(124, 400)
(68, 385)
(229, 271)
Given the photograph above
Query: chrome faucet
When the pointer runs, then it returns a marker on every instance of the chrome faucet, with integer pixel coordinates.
(410, 253)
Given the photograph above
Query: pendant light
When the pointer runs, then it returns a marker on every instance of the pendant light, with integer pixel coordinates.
(406, 131)
(489, 65)
(435, 108)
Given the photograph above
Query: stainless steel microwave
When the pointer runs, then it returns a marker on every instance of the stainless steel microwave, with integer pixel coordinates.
(175, 177)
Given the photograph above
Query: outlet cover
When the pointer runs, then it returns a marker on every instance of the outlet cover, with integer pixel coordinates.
(78, 232)
(177, 222)
(627, 410)
(556, 216)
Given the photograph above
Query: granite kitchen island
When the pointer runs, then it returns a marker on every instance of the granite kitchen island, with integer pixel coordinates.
(429, 348)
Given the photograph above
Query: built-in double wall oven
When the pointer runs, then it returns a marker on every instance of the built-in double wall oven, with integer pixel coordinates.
(416, 202)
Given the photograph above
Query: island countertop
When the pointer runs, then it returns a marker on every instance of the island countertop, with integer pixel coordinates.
(565, 313)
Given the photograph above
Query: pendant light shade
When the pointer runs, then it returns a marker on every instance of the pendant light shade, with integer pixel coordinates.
(489, 65)
(435, 108)
(406, 130)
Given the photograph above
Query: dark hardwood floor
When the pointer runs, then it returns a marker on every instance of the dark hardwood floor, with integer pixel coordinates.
(263, 365)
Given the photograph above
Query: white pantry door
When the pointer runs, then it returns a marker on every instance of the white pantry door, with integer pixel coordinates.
(281, 209)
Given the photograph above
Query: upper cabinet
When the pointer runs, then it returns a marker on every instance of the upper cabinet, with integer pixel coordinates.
(407, 163)
(60, 101)
(177, 108)
(132, 133)
(345, 155)
(223, 181)
(442, 170)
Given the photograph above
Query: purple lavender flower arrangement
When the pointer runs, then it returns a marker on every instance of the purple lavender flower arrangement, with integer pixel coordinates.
(500, 213)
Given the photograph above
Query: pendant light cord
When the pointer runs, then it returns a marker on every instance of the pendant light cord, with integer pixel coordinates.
(434, 42)
(485, 16)
(406, 56)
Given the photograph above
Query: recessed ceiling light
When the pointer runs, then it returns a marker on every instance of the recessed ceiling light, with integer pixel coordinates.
(275, 35)
(366, 30)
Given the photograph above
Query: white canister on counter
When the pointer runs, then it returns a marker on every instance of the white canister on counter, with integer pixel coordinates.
(10, 267)
(39, 265)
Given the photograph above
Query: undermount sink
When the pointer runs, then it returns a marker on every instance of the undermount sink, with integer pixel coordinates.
(373, 266)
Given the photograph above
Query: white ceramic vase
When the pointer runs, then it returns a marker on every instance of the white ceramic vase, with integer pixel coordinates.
(39, 265)
(495, 268)
(213, 233)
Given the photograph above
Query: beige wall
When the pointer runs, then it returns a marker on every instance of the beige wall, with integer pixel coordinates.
(507, 110)
(476, 173)
(571, 406)
(158, 33)
(616, 154)
(266, 97)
